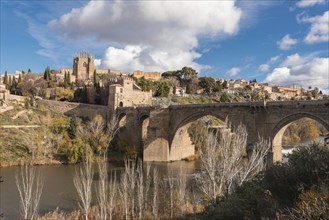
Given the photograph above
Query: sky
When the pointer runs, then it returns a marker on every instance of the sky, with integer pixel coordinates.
(279, 42)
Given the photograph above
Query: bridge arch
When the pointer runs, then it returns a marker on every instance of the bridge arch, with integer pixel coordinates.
(281, 127)
(180, 144)
(122, 119)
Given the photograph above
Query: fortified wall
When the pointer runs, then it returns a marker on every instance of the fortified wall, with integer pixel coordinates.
(85, 111)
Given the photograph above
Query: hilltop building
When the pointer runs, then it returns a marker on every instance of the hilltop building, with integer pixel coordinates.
(154, 76)
(83, 66)
(125, 93)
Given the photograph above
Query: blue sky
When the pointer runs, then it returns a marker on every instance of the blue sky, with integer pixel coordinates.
(281, 42)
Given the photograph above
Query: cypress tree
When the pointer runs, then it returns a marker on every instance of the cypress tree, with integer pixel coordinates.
(65, 80)
(46, 75)
(5, 80)
(19, 78)
(95, 78)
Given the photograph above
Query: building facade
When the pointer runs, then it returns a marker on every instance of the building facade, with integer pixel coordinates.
(154, 76)
(83, 66)
(125, 93)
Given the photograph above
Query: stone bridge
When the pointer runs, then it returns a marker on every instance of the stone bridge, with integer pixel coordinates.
(162, 132)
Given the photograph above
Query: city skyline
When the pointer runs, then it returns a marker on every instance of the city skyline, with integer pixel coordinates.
(280, 42)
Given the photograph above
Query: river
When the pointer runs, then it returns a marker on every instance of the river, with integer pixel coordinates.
(58, 190)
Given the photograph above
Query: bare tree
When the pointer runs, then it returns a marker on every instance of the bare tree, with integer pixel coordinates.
(147, 185)
(112, 194)
(98, 133)
(29, 186)
(124, 192)
(171, 181)
(155, 193)
(102, 188)
(130, 170)
(181, 187)
(140, 189)
(83, 179)
(225, 162)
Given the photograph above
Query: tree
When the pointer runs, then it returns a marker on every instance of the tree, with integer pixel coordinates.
(224, 164)
(106, 190)
(162, 89)
(19, 78)
(28, 71)
(83, 180)
(145, 84)
(225, 85)
(192, 86)
(207, 83)
(168, 74)
(65, 80)
(95, 79)
(29, 185)
(224, 97)
(5, 80)
(13, 86)
(187, 73)
(46, 75)
(68, 78)
(217, 86)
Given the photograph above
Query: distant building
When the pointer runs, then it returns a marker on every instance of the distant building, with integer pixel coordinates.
(108, 71)
(287, 92)
(154, 76)
(67, 70)
(83, 66)
(125, 93)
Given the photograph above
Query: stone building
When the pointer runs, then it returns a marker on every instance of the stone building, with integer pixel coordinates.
(83, 66)
(154, 76)
(125, 93)
(287, 92)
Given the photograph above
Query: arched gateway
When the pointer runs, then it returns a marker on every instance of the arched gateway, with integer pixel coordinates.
(163, 131)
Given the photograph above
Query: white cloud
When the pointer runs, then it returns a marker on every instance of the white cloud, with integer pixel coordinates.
(264, 67)
(97, 63)
(292, 60)
(274, 59)
(319, 30)
(150, 35)
(234, 71)
(302, 71)
(309, 3)
(287, 42)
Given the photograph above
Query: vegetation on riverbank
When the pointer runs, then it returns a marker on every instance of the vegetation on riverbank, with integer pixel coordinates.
(302, 130)
(53, 139)
(294, 190)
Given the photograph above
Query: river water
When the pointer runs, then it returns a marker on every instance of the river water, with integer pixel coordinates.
(59, 191)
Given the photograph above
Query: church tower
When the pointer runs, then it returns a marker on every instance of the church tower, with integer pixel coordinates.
(83, 66)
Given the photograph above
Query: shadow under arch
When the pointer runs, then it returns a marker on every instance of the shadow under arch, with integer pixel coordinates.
(180, 144)
(143, 124)
(281, 127)
(122, 119)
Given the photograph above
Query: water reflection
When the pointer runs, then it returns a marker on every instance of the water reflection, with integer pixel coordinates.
(59, 190)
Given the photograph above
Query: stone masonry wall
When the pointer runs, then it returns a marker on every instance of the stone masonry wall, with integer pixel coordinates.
(86, 111)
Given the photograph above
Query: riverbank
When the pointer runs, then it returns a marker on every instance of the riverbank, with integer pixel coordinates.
(23, 161)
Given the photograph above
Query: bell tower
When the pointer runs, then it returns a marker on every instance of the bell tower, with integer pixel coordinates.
(83, 66)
